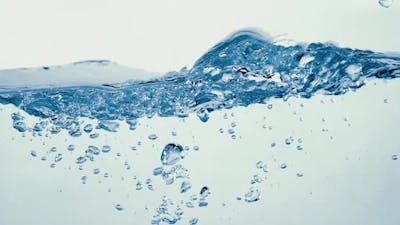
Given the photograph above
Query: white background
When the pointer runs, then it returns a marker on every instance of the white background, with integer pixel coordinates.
(167, 35)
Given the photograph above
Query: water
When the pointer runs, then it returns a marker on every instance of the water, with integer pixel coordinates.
(254, 129)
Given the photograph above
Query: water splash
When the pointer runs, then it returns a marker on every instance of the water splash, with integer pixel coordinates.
(244, 69)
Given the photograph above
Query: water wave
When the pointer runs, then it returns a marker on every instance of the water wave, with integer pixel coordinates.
(244, 69)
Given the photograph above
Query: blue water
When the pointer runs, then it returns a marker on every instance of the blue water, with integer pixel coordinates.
(246, 69)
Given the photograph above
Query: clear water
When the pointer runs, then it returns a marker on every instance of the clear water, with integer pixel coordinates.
(256, 132)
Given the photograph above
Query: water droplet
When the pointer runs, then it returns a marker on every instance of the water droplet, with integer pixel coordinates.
(152, 137)
(171, 154)
(252, 195)
(119, 207)
(385, 3)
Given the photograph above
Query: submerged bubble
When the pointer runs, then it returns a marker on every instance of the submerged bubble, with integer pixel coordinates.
(119, 207)
(252, 195)
(259, 165)
(108, 125)
(202, 203)
(106, 148)
(171, 154)
(139, 186)
(289, 140)
(58, 157)
(203, 115)
(354, 71)
(299, 174)
(96, 171)
(385, 3)
(80, 160)
(33, 153)
(88, 128)
(204, 192)
(94, 135)
(157, 171)
(152, 137)
(185, 186)
(20, 126)
(189, 204)
(193, 221)
(71, 147)
(84, 179)
(395, 157)
(256, 179)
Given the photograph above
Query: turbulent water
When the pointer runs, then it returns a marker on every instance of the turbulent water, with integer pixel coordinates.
(244, 69)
